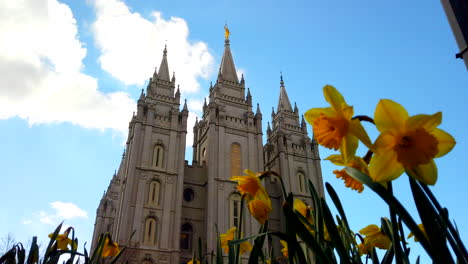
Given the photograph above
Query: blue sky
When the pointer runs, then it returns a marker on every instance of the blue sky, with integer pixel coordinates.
(73, 70)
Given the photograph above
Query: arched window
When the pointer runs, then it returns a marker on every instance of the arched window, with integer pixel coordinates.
(147, 261)
(234, 209)
(153, 194)
(158, 156)
(186, 237)
(150, 232)
(301, 181)
(236, 160)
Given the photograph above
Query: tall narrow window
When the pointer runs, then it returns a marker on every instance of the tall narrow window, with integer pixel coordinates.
(186, 237)
(153, 194)
(150, 232)
(236, 160)
(158, 156)
(301, 181)
(234, 209)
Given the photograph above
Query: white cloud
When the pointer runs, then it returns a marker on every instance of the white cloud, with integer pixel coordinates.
(27, 222)
(40, 64)
(68, 210)
(132, 46)
(240, 72)
(61, 211)
(195, 105)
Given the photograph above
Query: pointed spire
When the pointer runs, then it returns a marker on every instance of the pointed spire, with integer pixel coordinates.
(185, 106)
(303, 124)
(258, 109)
(295, 108)
(268, 127)
(272, 111)
(142, 95)
(163, 73)
(173, 77)
(283, 102)
(178, 90)
(227, 69)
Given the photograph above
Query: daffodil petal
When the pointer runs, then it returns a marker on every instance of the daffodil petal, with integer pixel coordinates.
(283, 243)
(369, 230)
(250, 173)
(311, 114)
(385, 167)
(384, 143)
(425, 173)
(356, 128)
(428, 122)
(446, 141)
(336, 159)
(347, 112)
(390, 115)
(334, 97)
(348, 147)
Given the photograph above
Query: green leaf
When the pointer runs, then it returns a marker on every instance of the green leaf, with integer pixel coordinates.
(434, 229)
(392, 202)
(51, 242)
(337, 203)
(334, 234)
(219, 251)
(295, 227)
(258, 245)
(33, 256)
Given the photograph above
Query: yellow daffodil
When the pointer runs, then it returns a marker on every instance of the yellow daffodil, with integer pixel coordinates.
(407, 143)
(249, 183)
(268, 261)
(374, 237)
(285, 248)
(423, 230)
(355, 162)
(305, 211)
(334, 127)
(245, 247)
(110, 248)
(228, 236)
(362, 248)
(62, 240)
(259, 203)
(194, 262)
(259, 208)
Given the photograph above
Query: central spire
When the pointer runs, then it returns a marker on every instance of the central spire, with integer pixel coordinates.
(163, 73)
(227, 68)
(283, 102)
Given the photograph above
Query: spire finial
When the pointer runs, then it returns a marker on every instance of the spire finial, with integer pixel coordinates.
(185, 106)
(226, 31)
(165, 47)
(281, 78)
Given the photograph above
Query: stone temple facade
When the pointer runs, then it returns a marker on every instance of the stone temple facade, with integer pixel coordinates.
(171, 204)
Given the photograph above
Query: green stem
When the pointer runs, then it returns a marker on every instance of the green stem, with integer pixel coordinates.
(395, 238)
(239, 231)
(364, 118)
(453, 234)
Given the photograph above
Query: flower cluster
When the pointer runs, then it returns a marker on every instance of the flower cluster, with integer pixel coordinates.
(374, 237)
(405, 143)
(258, 201)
